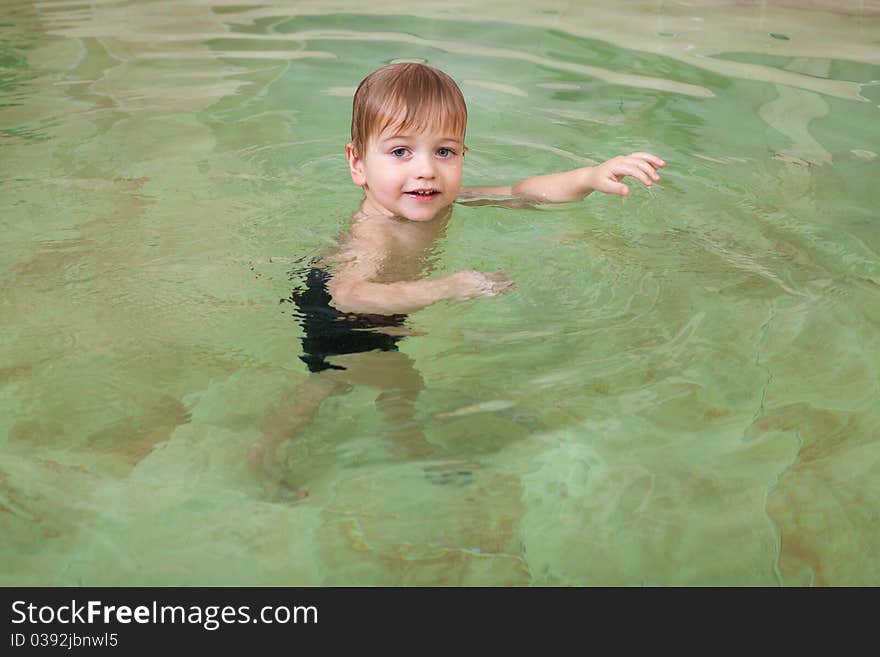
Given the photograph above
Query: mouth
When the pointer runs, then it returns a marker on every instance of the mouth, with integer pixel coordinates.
(422, 194)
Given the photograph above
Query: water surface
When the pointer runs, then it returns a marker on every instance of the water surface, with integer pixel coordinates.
(682, 389)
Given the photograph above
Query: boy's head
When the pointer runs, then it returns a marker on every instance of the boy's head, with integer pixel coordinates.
(406, 96)
(407, 141)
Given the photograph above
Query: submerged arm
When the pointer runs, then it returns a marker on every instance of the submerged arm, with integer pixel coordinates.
(360, 296)
(353, 289)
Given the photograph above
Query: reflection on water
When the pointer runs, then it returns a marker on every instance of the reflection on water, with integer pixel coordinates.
(682, 389)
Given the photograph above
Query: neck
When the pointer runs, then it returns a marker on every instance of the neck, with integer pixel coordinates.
(437, 222)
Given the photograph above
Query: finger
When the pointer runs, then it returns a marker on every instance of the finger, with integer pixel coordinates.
(498, 279)
(612, 186)
(646, 167)
(635, 172)
(653, 160)
(496, 290)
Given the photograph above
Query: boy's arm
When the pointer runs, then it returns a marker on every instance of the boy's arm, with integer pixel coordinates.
(578, 183)
(353, 295)
(353, 291)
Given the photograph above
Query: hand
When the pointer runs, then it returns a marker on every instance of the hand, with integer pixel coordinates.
(476, 284)
(606, 177)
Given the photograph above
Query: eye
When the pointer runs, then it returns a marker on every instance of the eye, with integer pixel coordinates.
(399, 152)
(445, 152)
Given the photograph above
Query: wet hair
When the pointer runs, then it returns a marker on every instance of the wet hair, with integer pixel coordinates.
(408, 96)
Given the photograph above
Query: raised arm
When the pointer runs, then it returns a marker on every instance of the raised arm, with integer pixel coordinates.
(578, 183)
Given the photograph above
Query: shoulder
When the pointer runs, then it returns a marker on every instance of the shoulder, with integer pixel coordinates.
(369, 231)
(368, 238)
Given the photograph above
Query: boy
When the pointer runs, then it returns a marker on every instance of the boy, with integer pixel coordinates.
(406, 152)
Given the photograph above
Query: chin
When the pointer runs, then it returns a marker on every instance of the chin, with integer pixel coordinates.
(427, 214)
(419, 217)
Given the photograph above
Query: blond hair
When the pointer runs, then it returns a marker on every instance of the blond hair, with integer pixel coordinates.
(406, 96)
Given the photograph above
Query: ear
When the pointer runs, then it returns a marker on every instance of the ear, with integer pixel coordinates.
(356, 164)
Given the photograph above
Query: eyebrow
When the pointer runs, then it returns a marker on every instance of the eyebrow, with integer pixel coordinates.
(411, 136)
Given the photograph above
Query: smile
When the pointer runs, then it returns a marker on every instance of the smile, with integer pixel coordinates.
(422, 194)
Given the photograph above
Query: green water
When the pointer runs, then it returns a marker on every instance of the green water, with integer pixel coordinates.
(682, 388)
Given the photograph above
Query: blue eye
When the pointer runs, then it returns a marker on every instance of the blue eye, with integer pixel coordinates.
(398, 152)
(445, 152)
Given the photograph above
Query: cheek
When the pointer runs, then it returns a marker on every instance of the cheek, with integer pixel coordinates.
(380, 177)
(454, 175)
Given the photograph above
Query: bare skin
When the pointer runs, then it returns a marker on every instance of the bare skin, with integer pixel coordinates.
(381, 265)
(579, 183)
(397, 383)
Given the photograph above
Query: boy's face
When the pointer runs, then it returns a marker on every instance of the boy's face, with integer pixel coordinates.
(413, 175)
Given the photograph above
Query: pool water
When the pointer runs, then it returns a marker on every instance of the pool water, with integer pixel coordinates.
(682, 389)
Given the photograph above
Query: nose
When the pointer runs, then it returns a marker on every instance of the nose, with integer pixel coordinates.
(425, 166)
